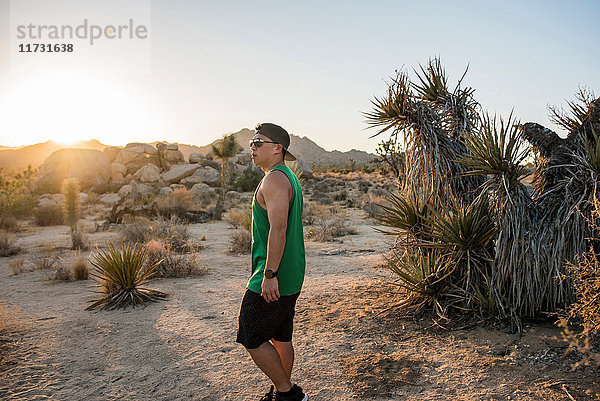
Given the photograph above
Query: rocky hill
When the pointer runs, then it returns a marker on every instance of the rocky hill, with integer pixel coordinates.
(17, 159)
(301, 147)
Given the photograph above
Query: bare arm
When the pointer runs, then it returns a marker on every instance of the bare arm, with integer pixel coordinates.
(276, 192)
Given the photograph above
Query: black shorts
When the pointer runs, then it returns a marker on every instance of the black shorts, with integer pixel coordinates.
(261, 321)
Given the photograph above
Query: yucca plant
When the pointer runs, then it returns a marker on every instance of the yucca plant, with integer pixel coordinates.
(406, 214)
(121, 275)
(71, 211)
(224, 150)
(424, 273)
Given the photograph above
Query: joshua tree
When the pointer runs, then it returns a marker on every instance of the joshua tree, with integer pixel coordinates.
(71, 210)
(224, 150)
(461, 192)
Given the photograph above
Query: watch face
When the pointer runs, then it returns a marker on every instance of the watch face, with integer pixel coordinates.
(269, 273)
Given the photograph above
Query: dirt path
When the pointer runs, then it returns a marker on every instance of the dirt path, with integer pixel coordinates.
(184, 348)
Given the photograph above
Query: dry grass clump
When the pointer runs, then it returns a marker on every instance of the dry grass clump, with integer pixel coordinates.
(62, 273)
(176, 204)
(46, 259)
(240, 242)
(10, 223)
(325, 223)
(176, 235)
(17, 266)
(169, 264)
(48, 215)
(80, 269)
(7, 245)
(239, 218)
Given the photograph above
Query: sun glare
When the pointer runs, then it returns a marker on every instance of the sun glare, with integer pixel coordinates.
(70, 108)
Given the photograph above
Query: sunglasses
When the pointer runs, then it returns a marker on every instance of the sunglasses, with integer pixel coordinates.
(257, 143)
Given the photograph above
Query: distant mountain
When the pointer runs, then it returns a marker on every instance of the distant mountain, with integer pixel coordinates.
(17, 159)
(301, 147)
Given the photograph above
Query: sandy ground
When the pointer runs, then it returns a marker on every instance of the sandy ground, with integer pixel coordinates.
(184, 348)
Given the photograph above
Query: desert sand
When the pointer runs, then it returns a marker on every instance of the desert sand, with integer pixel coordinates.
(348, 345)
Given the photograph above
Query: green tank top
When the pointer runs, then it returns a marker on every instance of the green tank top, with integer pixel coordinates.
(291, 267)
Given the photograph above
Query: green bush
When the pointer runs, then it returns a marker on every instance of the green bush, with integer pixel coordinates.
(249, 180)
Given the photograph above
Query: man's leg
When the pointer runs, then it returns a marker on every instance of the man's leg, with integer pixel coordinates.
(286, 354)
(268, 360)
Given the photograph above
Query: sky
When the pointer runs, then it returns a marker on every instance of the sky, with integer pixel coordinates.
(206, 69)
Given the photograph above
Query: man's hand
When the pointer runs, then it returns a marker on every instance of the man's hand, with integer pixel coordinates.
(270, 289)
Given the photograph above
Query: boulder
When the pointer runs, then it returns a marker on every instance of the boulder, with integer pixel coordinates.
(202, 191)
(172, 146)
(176, 173)
(210, 163)
(111, 152)
(130, 189)
(164, 191)
(118, 168)
(244, 159)
(209, 175)
(196, 158)
(141, 148)
(136, 156)
(90, 167)
(117, 177)
(304, 168)
(235, 170)
(110, 199)
(174, 156)
(191, 180)
(148, 173)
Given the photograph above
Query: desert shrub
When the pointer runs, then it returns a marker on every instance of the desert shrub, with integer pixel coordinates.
(80, 269)
(169, 264)
(585, 311)
(175, 235)
(340, 196)
(16, 195)
(17, 266)
(46, 259)
(62, 273)
(48, 215)
(121, 274)
(176, 204)
(7, 245)
(140, 230)
(240, 242)
(9, 223)
(327, 230)
(322, 197)
(239, 218)
(249, 179)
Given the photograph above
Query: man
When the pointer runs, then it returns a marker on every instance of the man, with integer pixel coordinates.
(267, 310)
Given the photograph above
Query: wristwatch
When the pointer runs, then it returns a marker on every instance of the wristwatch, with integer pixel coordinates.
(270, 273)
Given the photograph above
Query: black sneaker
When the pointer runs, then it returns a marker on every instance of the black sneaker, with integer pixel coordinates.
(269, 396)
(296, 395)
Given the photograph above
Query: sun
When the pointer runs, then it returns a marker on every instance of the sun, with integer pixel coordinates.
(68, 108)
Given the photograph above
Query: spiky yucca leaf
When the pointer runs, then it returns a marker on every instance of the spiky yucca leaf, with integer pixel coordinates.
(495, 149)
(406, 213)
(393, 110)
(121, 273)
(572, 118)
(433, 86)
(423, 271)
